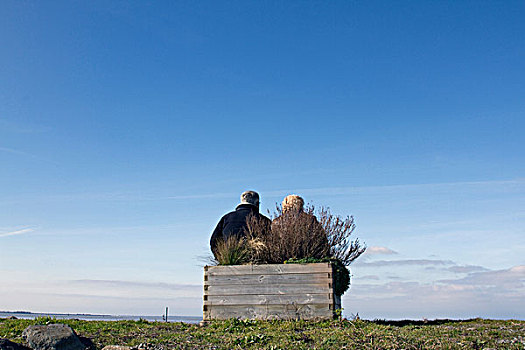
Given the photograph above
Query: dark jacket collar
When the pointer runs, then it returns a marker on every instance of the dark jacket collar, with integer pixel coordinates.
(247, 206)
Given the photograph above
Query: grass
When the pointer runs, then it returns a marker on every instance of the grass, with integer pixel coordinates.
(235, 334)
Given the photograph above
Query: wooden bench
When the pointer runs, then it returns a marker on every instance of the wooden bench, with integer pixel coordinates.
(266, 292)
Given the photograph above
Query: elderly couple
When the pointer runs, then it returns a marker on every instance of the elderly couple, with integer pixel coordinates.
(235, 222)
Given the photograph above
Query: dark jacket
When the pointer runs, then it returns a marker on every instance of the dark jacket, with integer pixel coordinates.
(235, 223)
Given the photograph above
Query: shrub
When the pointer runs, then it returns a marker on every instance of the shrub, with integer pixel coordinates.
(338, 231)
(302, 235)
(292, 236)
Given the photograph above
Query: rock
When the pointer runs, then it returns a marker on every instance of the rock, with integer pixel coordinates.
(88, 343)
(142, 346)
(12, 318)
(52, 337)
(9, 345)
(149, 346)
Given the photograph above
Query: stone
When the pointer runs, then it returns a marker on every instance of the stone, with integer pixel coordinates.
(52, 337)
(88, 343)
(9, 345)
(149, 346)
(142, 346)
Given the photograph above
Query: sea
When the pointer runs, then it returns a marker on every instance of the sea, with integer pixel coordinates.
(92, 317)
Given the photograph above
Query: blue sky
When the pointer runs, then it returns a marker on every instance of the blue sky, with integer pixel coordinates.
(128, 128)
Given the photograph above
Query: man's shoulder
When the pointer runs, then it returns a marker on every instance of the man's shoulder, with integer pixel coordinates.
(231, 213)
(235, 214)
(243, 212)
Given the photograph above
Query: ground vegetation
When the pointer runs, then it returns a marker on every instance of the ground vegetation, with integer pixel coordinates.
(345, 334)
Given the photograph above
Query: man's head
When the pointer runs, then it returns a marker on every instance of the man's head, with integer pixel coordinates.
(293, 203)
(250, 197)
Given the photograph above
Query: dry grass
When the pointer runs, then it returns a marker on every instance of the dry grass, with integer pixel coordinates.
(233, 251)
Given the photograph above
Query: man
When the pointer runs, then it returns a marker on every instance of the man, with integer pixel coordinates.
(235, 222)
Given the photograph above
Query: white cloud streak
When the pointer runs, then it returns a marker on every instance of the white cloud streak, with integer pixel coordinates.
(403, 187)
(25, 154)
(379, 250)
(272, 194)
(14, 151)
(467, 269)
(406, 262)
(133, 284)
(502, 279)
(17, 232)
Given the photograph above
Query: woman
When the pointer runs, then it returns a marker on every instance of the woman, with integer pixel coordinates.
(301, 233)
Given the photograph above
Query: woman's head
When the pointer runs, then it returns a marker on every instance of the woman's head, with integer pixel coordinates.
(293, 203)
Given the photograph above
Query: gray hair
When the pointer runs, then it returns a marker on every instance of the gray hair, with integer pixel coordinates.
(293, 203)
(250, 197)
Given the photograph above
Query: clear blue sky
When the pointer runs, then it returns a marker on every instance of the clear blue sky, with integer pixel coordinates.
(128, 128)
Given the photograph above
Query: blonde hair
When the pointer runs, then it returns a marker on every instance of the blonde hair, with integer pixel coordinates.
(293, 203)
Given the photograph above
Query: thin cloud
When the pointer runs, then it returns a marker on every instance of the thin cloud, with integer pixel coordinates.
(476, 292)
(127, 298)
(379, 250)
(368, 277)
(507, 278)
(502, 282)
(200, 196)
(406, 262)
(15, 151)
(25, 154)
(392, 277)
(467, 269)
(22, 128)
(403, 187)
(356, 189)
(128, 284)
(17, 232)
(332, 191)
(509, 282)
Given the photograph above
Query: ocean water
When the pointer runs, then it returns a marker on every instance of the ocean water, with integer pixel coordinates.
(90, 317)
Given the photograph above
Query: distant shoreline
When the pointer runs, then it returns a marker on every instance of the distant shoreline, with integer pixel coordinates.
(50, 313)
(99, 317)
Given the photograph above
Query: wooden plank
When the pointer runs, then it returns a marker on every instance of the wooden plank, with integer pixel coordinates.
(249, 289)
(267, 269)
(269, 312)
(262, 299)
(323, 277)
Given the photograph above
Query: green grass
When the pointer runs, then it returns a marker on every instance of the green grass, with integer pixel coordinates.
(234, 334)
